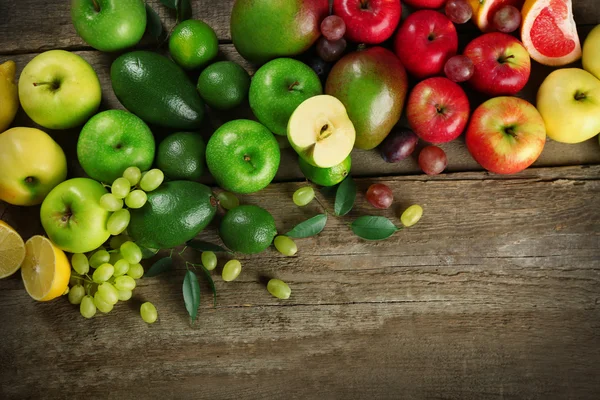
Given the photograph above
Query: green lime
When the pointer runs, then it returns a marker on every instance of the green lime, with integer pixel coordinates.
(248, 229)
(224, 85)
(326, 176)
(193, 44)
(182, 156)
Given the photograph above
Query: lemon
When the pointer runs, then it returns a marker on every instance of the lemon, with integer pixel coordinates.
(12, 250)
(9, 98)
(46, 270)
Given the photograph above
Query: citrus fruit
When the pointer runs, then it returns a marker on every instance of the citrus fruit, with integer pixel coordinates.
(326, 176)
(9, 97)
(549, 33)
(182, 156)
(248, 229)
(193, 44)
(12, 250)
(484, 10)
(224, 85)
(46, 269)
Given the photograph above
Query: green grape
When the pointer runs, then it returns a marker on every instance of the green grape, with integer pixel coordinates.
(80, 263)
(76, 294)
(279, 289)
(148, 312)
(121, 267)
(133, 175)
(303, 196)
(125, 295)
(125, 283)
(103, 273)
(285, 245)
(209, 260)
(114, 257)
(120, 188)
(102, 305)
(228, 200)
(108, 293)
(136, 271)
(117, 241)
(152, 180)
(136, 199)
(118, 221)
(99, 257)
(131, 252)
(411, 215)
(110, 202)
(231, 270)
(87, 308)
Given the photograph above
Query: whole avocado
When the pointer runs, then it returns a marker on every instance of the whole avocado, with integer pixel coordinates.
(265, 29)
(174, 213)
(157, 90)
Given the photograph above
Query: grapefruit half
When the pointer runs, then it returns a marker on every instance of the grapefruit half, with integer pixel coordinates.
(484, 10)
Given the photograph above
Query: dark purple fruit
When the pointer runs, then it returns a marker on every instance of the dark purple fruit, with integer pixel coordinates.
(398, 145)
(331, 51)
(321, 68)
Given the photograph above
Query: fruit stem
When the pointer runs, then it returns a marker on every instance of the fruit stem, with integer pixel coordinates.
(580, 96)
(510, 131)
(53, 85)
(364, 4)
(96, 5)
(293, 85)
(248, 160)
(502, 59)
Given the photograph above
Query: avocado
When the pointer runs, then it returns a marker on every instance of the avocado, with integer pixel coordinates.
(174, 213)
(157, 90)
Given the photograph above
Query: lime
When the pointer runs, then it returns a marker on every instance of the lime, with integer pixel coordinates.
(193, 44)
(248, 229)
(181, 156)
(326, 176)
(224, 85)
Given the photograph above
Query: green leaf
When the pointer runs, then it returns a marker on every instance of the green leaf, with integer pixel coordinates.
(311, 227)
(153, 25)
(191, 294)
(373, 228)
(201, 245)
(211, 283)
(162, 265)
(148, 253)
(184, 10)
(169, 3)
(345, 196)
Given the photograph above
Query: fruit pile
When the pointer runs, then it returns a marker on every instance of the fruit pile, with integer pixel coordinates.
(327, 84)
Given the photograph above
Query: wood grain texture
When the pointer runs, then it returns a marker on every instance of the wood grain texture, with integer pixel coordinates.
(494, 294)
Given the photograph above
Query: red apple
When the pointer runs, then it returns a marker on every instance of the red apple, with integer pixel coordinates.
(425, 41)
(502, 65)
(506, 135)
(438, 110)
(434, 4)
(369, 21)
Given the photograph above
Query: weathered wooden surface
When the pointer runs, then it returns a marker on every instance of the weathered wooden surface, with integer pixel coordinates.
(494, 294)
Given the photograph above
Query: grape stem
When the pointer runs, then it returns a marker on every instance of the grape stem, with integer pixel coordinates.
(89, 280)
(180, 253)
(321, 204)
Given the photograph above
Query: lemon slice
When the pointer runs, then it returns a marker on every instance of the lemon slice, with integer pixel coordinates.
(12, 250)
(46, 269)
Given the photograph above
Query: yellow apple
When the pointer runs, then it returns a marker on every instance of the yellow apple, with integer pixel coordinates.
(591, 52)
(569, 102)
(32, 164)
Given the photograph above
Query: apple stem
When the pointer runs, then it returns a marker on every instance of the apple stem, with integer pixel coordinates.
(29, 179)
(53, 85)
(504, 59)
(510, 131)
(364, 4)
(580, 96)
(293, 85)
(96, 5)
(248, 160)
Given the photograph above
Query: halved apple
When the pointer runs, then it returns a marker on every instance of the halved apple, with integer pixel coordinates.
(321, 132)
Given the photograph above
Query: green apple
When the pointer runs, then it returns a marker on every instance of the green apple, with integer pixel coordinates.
(277, 88)
(591, 52)
(569, 102)
(72, 216)
(112, 141)
(109, 25)
(243, 156)
(59, 90)
(321, 132)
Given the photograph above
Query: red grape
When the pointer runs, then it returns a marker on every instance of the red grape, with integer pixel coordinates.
(459, 68)
(330, 51)
(432, 160)
(333, 28)
(398, 145)
(380, 196)
(458, 11)
(507, 19)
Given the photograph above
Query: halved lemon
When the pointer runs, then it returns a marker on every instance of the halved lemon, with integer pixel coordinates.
(12, 250)
(46, 269)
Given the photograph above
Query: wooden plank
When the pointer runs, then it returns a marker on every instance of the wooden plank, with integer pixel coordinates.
(34, 26)
(494, 294)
